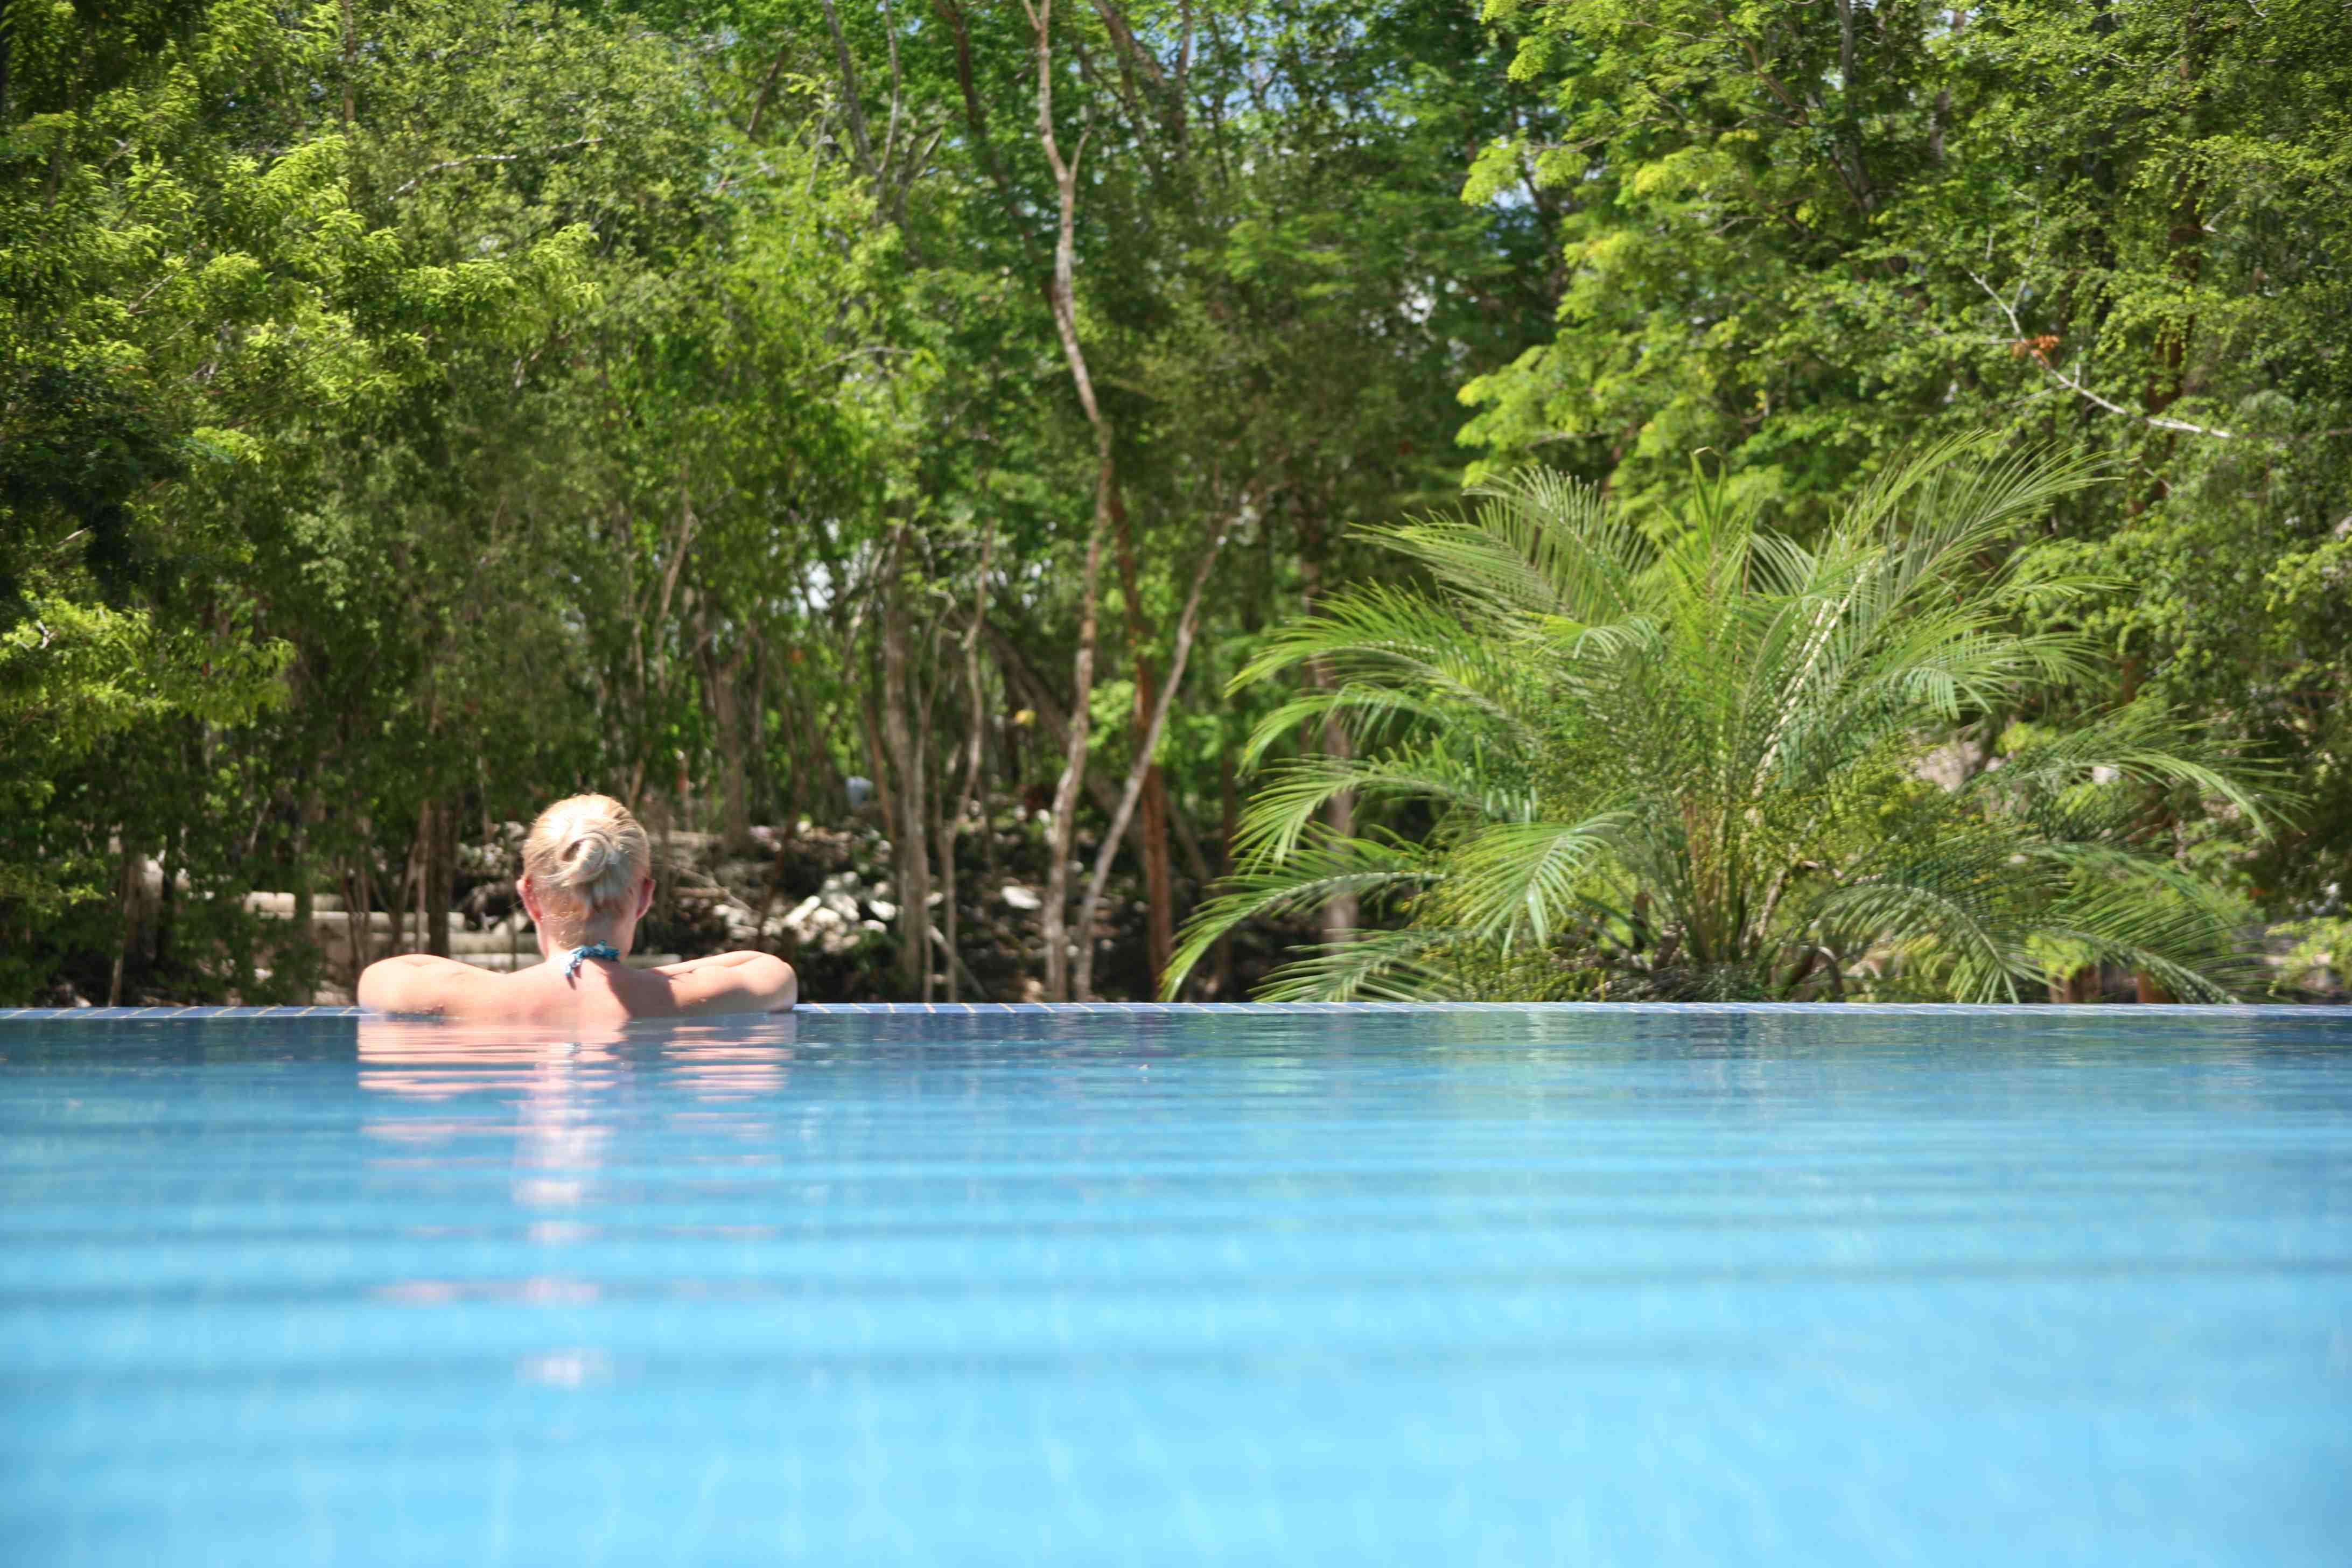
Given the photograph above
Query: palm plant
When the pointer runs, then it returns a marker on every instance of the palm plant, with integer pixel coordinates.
(1683, 758)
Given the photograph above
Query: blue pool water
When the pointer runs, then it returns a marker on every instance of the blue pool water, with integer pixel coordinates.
(1499, 1288)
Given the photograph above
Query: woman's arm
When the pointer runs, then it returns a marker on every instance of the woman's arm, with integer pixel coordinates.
(732, 982)
(417, 983)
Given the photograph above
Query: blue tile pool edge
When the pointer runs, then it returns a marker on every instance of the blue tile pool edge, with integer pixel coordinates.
(1231, 1009)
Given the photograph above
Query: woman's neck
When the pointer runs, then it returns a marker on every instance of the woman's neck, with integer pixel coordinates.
(552, 947)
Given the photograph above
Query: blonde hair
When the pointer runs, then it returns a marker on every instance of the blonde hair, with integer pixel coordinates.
(584, 856)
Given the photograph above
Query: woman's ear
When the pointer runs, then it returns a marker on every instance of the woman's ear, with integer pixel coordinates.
(529, 896)
(645, 897)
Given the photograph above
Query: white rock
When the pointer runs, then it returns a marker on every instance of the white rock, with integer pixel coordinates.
(1020, 898)
(839, 894)
(822, 920)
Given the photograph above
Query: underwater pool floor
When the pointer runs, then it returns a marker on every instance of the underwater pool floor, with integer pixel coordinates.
(1155, 1285)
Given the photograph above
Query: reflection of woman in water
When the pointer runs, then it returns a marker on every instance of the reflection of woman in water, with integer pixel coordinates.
(585, 884)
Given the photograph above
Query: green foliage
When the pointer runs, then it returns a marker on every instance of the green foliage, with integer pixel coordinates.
(413, 410)
(2318, 961)
(1806, 235)
(1687, 754)
(348, 367)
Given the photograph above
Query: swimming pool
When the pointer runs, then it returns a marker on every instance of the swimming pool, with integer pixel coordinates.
(1240, 1285)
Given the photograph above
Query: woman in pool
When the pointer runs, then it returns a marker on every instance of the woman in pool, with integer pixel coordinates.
(585, 883)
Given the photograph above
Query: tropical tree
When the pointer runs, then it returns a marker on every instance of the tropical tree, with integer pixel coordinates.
(1689, 757)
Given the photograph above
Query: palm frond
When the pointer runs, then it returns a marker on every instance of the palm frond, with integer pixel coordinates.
(1984, 959)
(2141, 745)
(1536, 543)
(1514, 879)
(1283, 812)
(1313, 875)
(1370, 965)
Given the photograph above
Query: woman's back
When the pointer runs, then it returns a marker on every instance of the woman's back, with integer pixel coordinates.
(604, 991)
(586, 883)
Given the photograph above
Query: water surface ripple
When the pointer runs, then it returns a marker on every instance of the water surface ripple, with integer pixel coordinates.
(1166, 1287)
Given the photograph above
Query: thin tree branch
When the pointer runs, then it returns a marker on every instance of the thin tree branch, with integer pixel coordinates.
(852, 111)
(1066, 181)
(2155, 421)
(1140, 768)
(897, 83)
(767, 92)
(433, 169)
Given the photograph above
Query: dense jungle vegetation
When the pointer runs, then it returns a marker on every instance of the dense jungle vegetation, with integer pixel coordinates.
(940, 459)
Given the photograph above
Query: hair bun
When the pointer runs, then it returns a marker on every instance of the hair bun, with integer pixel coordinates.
(584, 854)
(592, 849)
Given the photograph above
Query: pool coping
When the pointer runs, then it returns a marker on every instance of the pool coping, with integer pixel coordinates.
(1230, 1009)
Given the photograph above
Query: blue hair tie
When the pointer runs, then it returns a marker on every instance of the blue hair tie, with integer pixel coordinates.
(579, 955)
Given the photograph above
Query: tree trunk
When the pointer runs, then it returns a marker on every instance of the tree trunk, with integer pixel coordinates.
(722, 676)
(947, 932)
(130, 928)
(305, 900)
(912, 794)
(1159, 884)
(1341, 914)
(952, 828)
(359, 898)
(408, 891)
(1158, 892)
(159, 951)
(440, 874)
(760, 778)
(1062, 294)
(654, 689)
(1229, 808)
(2076, 986)
(1064, 831)
(1141, 769)
(885, 799)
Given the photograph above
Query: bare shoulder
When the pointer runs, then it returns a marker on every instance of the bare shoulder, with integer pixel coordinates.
(732, 982)
(419, 982)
